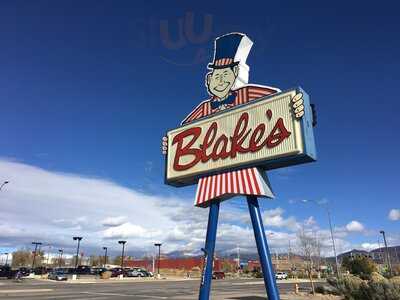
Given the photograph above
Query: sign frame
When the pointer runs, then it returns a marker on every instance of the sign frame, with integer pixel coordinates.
(308, 155)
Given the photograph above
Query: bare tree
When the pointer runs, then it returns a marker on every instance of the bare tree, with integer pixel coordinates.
(308, 246)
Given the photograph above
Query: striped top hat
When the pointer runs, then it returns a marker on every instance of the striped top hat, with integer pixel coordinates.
(230, 50)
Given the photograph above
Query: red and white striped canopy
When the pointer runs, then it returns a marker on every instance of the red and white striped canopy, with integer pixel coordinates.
(250, 181)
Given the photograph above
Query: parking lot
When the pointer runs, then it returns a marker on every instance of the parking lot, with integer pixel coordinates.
(136, 289)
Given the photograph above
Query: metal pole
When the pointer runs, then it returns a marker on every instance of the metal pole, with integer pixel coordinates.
(159, 258)
(6, 259)
(105, 256)
(262, 247)
(34, 253)
(333, 242)
(205, 284)
(77, 255)
(332, 237)
(122, 256)
(78, 238)
(387, 253)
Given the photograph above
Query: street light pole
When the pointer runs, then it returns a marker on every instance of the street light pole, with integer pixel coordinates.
(105, 256)
(123, 253)
(159, 255)
(77, 238)
(387, 252)
(333, 242)
(34, 253)
(60, 258)
(3, 184)
(332, 237)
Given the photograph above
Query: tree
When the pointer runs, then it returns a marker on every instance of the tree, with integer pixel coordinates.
(361, 266)
(96, 260)
(24, 258)
(117, 260)
(309, 248)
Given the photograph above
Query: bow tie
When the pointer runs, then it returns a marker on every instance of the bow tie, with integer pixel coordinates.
(229, 100)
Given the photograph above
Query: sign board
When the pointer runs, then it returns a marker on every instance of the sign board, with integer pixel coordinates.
(262, 133)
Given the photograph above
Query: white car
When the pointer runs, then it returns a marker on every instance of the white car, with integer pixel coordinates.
(281, 275)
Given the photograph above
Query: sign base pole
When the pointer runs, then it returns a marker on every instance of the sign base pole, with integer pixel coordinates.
(205, 284)
(262, 247)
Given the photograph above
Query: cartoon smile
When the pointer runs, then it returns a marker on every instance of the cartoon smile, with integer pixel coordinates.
(221, 88)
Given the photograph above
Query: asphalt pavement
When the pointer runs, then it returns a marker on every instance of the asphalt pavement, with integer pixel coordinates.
(237, 289)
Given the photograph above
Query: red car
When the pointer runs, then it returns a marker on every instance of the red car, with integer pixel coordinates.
(218, 275)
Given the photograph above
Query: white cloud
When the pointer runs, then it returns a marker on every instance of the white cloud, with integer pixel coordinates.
(274, 218)
(394, 214)
(126, 230)
(52, 207)
(113, 221)
(369, 246)
(355, 226)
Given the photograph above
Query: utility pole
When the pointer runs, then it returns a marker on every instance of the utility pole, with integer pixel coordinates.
(380, 251)
(238, 257)
(34, 254)
(331, 230)
(6, 258)
(77, 238)
(105, 256)
(387, 252)
(123, 251)
(159, 256)
(289, 261)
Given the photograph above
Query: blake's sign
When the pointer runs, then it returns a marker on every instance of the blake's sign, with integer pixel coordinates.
(263, 133)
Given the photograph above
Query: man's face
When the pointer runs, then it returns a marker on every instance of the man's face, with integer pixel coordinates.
(220, 81)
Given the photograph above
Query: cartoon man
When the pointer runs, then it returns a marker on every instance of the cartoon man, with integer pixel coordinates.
(227, 85)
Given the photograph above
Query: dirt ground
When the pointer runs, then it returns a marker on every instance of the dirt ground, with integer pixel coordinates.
(303, 296)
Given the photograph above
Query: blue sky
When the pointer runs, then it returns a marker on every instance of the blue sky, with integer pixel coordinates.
(88, 90)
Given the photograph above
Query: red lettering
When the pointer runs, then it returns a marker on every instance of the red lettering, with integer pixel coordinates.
(184, 151)
(212, 131)
(222, 140)
(255, 138)
(239, 135)
(219, 145)
(276, 137)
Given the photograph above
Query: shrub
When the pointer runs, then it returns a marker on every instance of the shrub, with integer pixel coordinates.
(377, 288)
(361, 266)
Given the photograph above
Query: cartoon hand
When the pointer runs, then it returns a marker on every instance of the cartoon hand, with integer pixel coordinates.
(164, 145)
(298, 107)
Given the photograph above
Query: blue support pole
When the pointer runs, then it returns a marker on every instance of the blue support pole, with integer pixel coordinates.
(205, 284)
(262, 247)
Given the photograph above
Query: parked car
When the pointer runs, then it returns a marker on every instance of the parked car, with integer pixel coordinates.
(281, 275)
(5, 271)
(57, 275)
(136, 272)
(40, 270)
(97, 271)
(83, 270)
(147, 273)
(218, 275)
(117, 271)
